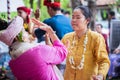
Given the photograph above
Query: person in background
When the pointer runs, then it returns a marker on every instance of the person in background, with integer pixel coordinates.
(67, 14)
(59, 23)
(33, 61)
(98, 28)
(115, 64)
(87, 57)
(62, 11)
(111, 16)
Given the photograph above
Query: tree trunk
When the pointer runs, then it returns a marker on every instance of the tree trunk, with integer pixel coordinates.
(39, 3)
(92, 6)
(75, 3)
(31, 4)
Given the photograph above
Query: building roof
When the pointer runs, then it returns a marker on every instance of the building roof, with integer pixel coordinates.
(105, 2)
(100, 2)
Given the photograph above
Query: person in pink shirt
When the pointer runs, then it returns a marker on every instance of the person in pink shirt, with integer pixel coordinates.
(32, 61)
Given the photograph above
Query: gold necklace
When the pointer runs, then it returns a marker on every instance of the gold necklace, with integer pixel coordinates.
(71, 59)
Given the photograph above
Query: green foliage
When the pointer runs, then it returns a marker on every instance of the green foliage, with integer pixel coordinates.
(104, 14)
(35, 5)
(20, 36)
(44, 13)
(66, 5)
(26, 2)
(118, 2)
(115, 4)
(3, 15)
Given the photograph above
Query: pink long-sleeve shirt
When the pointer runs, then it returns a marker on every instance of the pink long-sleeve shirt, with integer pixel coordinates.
(36, 63)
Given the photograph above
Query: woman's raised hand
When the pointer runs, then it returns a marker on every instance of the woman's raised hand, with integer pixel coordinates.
(97, 77)
(116, 51)
(42, 26)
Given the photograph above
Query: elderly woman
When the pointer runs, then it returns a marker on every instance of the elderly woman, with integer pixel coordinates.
(32, 61)
(87, 58)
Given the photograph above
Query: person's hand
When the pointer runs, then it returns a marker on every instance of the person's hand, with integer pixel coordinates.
(37, 13)
(116, 51)
(46, 28)
(37, 23)
(97, 77)
(47, 40)
(43, 26)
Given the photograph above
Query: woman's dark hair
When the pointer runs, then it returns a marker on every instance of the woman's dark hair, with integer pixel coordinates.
(3, 24)
(99, 25)
(67, 12)
(55, 8)
(112, 13)
(86, 12)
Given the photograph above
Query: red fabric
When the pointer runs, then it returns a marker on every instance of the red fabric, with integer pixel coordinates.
(105, 37)
(50, 4)
(27, 10)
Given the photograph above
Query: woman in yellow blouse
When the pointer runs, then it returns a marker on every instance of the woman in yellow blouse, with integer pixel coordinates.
(87, 58)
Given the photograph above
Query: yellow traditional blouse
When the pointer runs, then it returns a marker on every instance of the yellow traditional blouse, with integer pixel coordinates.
(96, 59)
(29, 28)
(26, 26)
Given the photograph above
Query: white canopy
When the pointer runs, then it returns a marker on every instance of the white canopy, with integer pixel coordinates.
(13, 5)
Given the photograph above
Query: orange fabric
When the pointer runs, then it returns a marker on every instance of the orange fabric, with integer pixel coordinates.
(96, 57)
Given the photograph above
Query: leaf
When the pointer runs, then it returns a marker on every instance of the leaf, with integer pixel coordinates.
(20, 36)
